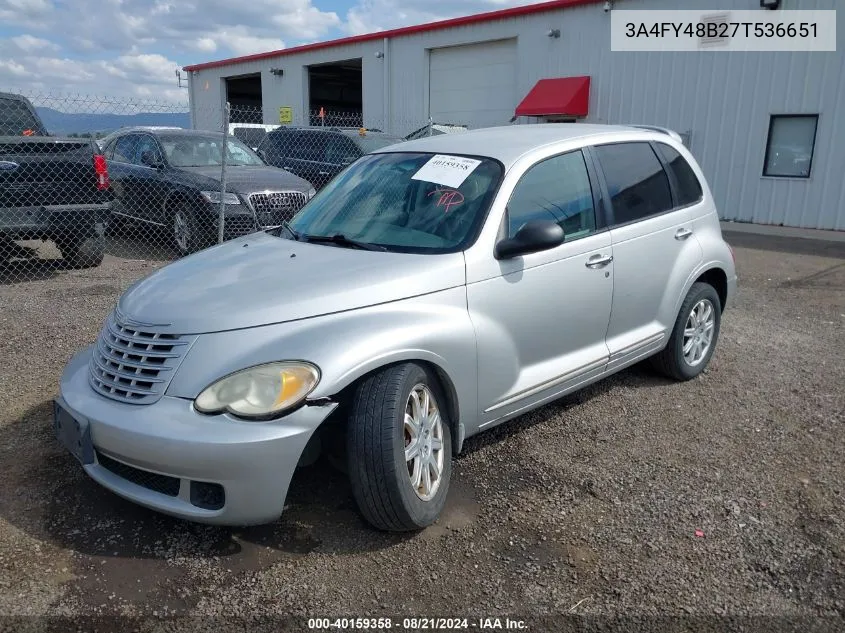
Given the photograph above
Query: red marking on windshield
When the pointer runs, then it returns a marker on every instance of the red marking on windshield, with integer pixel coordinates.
(448, 198)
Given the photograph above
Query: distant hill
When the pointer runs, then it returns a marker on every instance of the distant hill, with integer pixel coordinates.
(62, 123)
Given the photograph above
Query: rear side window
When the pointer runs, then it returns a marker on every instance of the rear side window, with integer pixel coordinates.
(278, 144)
(16, 119)
(310, 146)
(637, 184)
(688, 189)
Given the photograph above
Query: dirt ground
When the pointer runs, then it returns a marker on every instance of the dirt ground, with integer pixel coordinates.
(637, 504)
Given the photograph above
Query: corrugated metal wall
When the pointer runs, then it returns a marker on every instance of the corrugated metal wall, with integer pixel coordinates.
(723, 99)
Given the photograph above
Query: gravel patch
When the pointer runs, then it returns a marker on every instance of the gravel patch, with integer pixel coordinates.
(713, 504)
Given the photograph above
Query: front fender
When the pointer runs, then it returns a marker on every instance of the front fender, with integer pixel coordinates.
(345, 346)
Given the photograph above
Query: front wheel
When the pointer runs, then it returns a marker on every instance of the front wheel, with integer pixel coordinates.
(187, 233)
(694, 336)
(400, 448)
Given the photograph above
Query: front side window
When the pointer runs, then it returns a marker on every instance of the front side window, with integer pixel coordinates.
(189, 150)
(124, 148)
(556, 189)
(406, 202)
(145, 144)
(636, 182)
(790, 147)
(688, 187)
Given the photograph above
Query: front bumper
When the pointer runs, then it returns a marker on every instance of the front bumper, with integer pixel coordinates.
(253, 462)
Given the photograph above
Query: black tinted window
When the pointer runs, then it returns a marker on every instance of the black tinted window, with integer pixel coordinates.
(556, 189)
(17, 120)
(637, 184)
(341, 150)
(689, 189)
(278, 144)
(310, 146)
(125, 147)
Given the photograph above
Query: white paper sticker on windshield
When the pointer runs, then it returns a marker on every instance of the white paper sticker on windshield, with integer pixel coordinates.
(447, 170)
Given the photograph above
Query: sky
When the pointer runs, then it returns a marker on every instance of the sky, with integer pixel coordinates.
(131, 49)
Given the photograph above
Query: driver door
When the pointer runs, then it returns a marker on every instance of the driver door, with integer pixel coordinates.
(541, 320)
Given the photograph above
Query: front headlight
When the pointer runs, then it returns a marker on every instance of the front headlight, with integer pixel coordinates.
(260, 392)
(214, 197)
(311, 193)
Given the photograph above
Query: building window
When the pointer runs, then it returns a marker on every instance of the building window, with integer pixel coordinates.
(790, 146)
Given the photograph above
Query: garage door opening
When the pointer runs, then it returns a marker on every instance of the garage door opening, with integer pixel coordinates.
(244, 96)
(337, 89)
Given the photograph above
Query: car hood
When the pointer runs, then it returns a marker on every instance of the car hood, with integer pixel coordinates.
(249, 179)
(261, 279)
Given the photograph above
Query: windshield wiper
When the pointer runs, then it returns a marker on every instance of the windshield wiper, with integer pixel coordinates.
(342, 240)
(285, 225)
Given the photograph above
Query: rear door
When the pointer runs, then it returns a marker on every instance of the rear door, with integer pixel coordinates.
(654, 249)
(151, 184)
(124, 179)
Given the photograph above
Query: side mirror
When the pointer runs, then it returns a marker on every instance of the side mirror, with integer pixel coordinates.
(262, 154)
(533, 237)
(151, 159)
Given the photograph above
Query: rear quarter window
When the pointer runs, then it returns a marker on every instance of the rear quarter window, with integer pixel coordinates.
(688, 187)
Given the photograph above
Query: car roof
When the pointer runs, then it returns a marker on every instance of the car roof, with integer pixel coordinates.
(509, 143)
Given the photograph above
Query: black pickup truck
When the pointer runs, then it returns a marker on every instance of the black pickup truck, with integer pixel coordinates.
(50, 188)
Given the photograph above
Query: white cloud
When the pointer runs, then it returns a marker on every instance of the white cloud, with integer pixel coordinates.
(130, 49)
(240, 43)
(30, 44)
(368, 16)
(204, 44)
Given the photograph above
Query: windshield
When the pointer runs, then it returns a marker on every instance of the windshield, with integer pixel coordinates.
(372, 143)
(408, 202)
(188, 150)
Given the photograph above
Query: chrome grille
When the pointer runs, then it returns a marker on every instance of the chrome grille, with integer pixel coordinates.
(272, 209)
(132, 365)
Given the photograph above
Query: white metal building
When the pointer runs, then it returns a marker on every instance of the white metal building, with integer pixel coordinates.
(733, 109)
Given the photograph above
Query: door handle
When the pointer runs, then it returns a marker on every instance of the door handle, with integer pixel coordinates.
(322, 173)
(682, 234)
(599, 261)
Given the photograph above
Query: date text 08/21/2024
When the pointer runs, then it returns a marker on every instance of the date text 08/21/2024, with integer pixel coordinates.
(416, 624)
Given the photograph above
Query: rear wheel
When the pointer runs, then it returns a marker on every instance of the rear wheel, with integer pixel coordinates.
(694, 336)
(82, 252)
(399, 448)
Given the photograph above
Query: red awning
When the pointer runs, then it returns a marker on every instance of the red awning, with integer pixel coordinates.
(568, 96)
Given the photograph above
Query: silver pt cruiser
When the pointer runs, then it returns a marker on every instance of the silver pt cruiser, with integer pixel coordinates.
(434, 289)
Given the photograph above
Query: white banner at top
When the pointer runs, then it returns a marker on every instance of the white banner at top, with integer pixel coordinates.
(723, 30)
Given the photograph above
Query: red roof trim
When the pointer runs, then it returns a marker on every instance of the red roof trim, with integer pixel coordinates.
(407, 30)
(568, 96)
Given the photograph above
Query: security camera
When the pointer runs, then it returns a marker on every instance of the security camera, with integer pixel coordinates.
(379, 55)
(606, 6)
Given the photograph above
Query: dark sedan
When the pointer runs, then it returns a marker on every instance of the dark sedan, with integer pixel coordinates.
(172, 179)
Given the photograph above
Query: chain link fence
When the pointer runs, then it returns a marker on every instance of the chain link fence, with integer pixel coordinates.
(96, 183)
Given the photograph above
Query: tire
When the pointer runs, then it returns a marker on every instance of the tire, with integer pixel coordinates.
(377, 436)
(82, 252)
(185, 231)
(672, 361)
